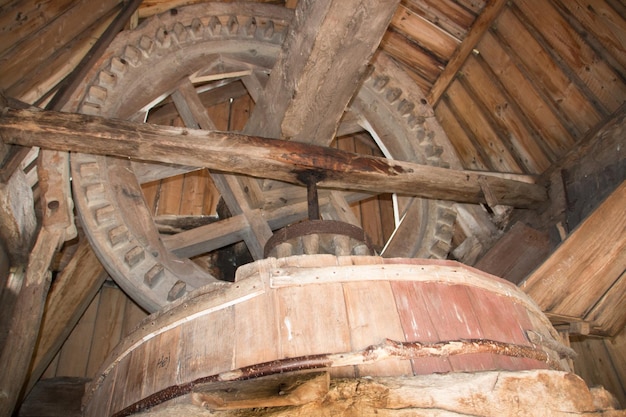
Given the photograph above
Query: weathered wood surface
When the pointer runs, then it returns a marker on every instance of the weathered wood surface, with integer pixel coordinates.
(480, 26)
(69, 297)
(320, 68)
(169, 348)
(55, 397)
(485, 394)
(516, 253)
(282, 160)
(18, 222)
(581, 274)
(26, 319)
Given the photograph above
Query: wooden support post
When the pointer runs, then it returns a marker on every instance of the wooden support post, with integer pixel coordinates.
(260, 157)
(20, 344)
(71, 294)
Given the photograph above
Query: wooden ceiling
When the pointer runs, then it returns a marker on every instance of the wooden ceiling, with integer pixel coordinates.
(514, 84)
(517, 86)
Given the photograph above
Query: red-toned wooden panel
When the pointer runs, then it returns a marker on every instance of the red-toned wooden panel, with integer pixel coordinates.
(450, 309)
(417, 325)
(499, 321)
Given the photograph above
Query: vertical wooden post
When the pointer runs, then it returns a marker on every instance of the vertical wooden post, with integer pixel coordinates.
(20, 343)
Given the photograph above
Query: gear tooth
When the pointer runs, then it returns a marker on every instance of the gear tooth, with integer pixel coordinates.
(146, 45)
(134, 256)
(215, 26)
(132, 55)
(269, 30)
(405, 107)
(88, 170)
(196, 28)
(96, 94)
(250, 27)
(92, 109)
(439, 250)
(180, 32)
(118, 66)
(232, 27)
(446, 215)
(154, 275)
(118, 235)
(177, 290)
(106, 79)
(380, 82)
(105, 214)
(94, 192)
(393, 94)
(163, 38)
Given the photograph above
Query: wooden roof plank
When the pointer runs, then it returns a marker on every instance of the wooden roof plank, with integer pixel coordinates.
(420, 30)
(544, 117)
(564, 94)
(606, 90)
(586, 265)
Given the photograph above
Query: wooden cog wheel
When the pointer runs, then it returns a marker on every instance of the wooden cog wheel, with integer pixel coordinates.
(180, 58)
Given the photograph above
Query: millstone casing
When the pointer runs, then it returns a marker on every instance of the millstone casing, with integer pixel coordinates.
(322, 304)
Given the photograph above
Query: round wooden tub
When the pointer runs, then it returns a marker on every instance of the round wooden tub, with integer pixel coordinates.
(354, 316)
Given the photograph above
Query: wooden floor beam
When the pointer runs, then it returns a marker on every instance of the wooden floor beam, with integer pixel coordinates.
(288, 161)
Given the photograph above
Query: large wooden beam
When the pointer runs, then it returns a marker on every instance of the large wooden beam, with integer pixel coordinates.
(584, 277)
(70, 295)
(288, 161)
(20, 343)
(321, 65)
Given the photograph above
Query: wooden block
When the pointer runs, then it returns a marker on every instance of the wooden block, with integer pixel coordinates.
(270, 391)
(516, 253)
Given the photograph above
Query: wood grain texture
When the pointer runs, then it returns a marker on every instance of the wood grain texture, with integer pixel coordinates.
(586, 265)
(250, 155)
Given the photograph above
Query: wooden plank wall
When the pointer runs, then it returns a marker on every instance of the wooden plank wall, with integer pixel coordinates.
(541, 76)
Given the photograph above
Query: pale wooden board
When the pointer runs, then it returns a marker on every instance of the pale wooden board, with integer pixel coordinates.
(576, 109)
(206, 348)
(516, 253)
(74, 354)
(133, 314)
(523, 139)
(126, 387)
(598, 76)
(595, 366)
(21, 60)
(585, 266)
(608, 314)
(107, 328)
(557, 138)
(256, 331)
(162, 360)
(298, 334)
(105, 396)
(470, 157)
(372, 317)
(475, 122)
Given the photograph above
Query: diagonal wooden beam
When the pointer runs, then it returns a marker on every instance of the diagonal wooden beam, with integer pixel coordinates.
(481, 25)
(287, 161)
(321, 65)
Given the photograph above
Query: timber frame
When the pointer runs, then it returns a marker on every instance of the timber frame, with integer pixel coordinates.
(534, 150)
